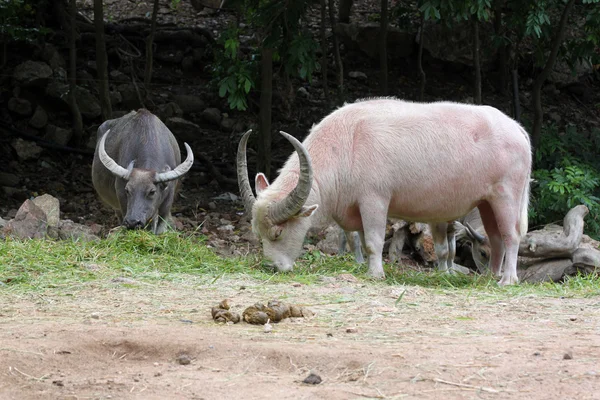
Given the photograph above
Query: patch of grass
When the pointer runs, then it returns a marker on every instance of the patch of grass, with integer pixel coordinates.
(143, 257)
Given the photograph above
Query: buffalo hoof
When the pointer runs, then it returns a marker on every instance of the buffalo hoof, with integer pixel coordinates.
(508, 280)
(377, 274)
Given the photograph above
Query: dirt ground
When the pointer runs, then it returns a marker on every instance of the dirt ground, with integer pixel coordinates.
(123, 341)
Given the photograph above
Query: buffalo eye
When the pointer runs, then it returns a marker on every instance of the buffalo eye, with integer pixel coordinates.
(127, 191)
(483, 254)
(151, 192)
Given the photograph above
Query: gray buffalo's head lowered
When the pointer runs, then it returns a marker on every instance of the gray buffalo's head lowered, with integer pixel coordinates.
(144, 190)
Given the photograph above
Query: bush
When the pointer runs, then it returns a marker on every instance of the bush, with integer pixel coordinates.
(568, 174)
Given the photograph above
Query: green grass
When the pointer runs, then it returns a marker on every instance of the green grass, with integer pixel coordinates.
(143, 257)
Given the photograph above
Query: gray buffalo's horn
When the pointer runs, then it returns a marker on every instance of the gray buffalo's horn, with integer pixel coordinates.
(180, 170)
(242, 174)
(290, 205)
(476, 235)
(111, 164)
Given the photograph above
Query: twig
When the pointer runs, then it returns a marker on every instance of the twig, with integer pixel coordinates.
(464, 385)
(41, 378)
(20, 351)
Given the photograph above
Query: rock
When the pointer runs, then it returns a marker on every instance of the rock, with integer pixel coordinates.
(189, 103)
(89, 105)
(227, 123)
(187, 64)
(20, 106)
(312, 379)
(364, 37)
(562, 73)
(39, 118)
(3, 222)
(32, 73)
(29, 223)
(8, 179)
(58, 135)
(212, 115)
(169, 56)
(68, 229)
(115, 98)
(183, 129)
(51, 207)
(118, 76)
(455, 44)
(357, 75)
(50, 54)
(58, 90)
(26, 150)
(168, 110)
(227, 196)
(302, 92)
(184, 359)
(84, 77)
(131, 101)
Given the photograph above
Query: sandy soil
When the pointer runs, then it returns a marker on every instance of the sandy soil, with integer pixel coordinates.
(125, 341)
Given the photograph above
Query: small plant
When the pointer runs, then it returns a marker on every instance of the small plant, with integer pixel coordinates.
(568, 175)
(233, 75)
(301, 57)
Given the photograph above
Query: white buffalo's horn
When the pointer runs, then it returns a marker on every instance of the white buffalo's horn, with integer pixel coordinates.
(111, 164)
(290, 205)
(180, 170)
(242, 174)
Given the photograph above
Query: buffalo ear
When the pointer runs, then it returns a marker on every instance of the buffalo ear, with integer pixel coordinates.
(307, 211)
(261, 182)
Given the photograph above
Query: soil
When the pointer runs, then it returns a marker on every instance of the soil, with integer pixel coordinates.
(158, 341)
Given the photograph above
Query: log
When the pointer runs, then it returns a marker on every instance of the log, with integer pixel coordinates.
(550, 243)
(586, 260)
(545, 270)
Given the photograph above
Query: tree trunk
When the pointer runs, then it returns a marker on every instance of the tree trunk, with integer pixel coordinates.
(336, 52)
(420, 61)
(324, 49)
(541, 78)
(345, 7)
(266, 98)
(77, 122)
(476, 63)
(383, 64)
(102, 61)
(502, 50)
(548, 243)
(516, 102)
(149, 53)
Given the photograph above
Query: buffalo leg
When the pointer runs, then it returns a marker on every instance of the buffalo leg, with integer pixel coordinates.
(451, 238)
(161, 224)
(439, 232)
(496, 244)
(352, 239)
(374, 219)
(506, 212)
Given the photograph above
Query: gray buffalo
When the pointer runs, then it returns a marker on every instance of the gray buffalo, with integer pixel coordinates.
(136, 168)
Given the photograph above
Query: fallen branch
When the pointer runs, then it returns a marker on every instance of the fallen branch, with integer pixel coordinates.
(464, 385)
(554, 243)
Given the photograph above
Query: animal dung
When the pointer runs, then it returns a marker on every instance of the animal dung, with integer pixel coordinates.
(274, 311)
(221, 313)
(259, 314)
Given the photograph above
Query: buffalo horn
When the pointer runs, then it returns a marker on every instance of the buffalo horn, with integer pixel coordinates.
(242, 173)
(111, 164)
(180, 170)
(290, 205)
